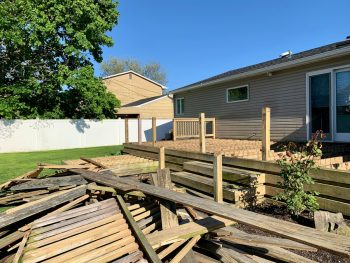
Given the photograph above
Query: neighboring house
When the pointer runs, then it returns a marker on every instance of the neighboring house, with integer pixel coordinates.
(307, 91)
(139, 96)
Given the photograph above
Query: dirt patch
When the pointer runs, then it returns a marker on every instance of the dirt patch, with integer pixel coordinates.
(280, 212)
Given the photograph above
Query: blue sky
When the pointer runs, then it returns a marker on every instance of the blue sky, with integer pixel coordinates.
(196, 39)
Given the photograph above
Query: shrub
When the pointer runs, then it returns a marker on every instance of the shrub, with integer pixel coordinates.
(295, 165)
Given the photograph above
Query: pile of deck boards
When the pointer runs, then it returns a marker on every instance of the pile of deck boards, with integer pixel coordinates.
(85, 212)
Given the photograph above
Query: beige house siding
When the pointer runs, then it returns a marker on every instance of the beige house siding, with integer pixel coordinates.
(161, 108)
(284, 92)
(130, 87)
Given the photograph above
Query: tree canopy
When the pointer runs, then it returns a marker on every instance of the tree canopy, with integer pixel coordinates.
(150, 70)
(46, 53)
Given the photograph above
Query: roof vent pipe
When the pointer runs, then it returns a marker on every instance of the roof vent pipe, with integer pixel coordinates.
(286, 54)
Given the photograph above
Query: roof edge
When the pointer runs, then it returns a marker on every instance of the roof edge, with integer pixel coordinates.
(138, 74)
(148, 102)
(284, 65)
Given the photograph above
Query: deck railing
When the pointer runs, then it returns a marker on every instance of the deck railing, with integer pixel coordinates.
(184, 128)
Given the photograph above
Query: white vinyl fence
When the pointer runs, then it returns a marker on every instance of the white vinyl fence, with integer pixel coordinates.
(38, 135)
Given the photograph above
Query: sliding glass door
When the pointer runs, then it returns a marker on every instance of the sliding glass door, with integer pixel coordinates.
(329, 104)
(342, 105)
(320, 104)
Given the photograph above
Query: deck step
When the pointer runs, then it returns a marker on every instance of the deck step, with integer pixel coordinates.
(230, 174)
(204, 184)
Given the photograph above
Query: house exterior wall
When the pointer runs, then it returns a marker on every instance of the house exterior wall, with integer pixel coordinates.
(162, 109)
(284, 92)
(130, 87)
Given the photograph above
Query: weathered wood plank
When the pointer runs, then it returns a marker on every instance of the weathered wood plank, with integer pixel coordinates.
(150, 253)
(20, 248)
(188, 230)
(98, 164)
(53, 182)
(328, 241)
(24, 211)
(183, 252)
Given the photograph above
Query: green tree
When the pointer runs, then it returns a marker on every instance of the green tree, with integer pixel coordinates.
(46, 49)
(151, 70)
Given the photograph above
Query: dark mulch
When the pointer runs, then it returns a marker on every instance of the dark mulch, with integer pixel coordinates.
(280, 212)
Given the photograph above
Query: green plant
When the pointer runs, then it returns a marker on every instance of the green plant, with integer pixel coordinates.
(296, 164)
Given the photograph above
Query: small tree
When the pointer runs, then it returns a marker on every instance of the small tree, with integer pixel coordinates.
(295, 165)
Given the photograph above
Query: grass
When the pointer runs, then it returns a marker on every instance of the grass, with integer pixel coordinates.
(16, 164)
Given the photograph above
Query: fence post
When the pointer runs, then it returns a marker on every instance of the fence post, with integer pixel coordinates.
(266, 122)
(217, 164)
(154, 131)
(202, 132)
(214, 128)
(139, 129)
(161, 163)
(126, 123)
(174, 130)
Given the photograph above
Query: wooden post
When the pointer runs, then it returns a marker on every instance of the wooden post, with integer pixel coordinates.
(126, 130)
(266, 122)
(161, 158)
(154, 131)
(202, 132)
(139, 129)
(174, 130)
(217, 163)
(214, 128)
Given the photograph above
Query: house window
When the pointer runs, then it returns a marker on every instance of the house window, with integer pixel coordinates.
(237, 94)
(180, 108)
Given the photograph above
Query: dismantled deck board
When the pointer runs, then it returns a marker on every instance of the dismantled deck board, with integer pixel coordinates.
(327, 241)
(188, 230)
(24, 211)
(70, 237)
(53, 182)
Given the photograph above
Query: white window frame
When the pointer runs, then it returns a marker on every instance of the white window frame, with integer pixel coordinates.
(238, 87)
(177, 111)
(332, 72)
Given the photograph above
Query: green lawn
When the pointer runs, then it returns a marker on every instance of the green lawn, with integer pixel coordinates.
(15, 164)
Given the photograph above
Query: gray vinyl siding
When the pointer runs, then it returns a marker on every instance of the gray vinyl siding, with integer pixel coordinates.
(284, 92)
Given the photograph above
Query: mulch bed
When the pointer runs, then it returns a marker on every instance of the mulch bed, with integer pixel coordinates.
(280, 212)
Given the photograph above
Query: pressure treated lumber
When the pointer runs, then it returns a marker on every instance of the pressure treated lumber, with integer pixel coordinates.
(183, 252)
(266, 123)
(31, 174)
(226, 255)
(230, 174)
(98, 164)
(203, 184)
(324, 174)
(150, 253)
(217, 169)
(53, 182)
(188, 230)
(20, 248)
(240, 237)
(272, 252)
(24, 211)
(327, 241)
(167, 209)
(202, 131)
(19, 196)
